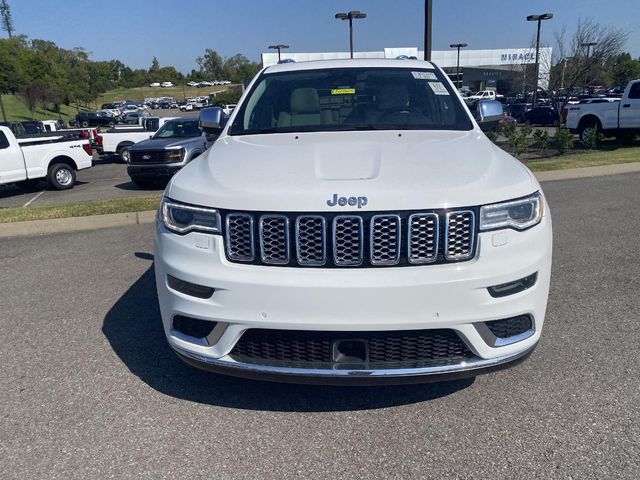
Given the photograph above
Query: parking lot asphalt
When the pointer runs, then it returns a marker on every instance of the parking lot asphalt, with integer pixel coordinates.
(107, 179)
(90, 389)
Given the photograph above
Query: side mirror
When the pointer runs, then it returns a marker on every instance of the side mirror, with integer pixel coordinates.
(488, 114)
(212, 120)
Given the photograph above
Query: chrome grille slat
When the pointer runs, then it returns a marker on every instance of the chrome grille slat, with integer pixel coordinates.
(239, 237)
(459, 236)
(274, 239)
(384, 239)
(311, 240)
(422, 241)
(348, 241)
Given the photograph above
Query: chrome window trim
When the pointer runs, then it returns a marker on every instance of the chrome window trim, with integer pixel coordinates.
(286, 239)
(437, 238)
(324, 241)
(251, 238)
(361, 237)
(398, 242)
(472, 232)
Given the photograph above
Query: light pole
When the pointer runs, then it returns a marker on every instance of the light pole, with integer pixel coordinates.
(538, 18)
(350, 16)
(586, 73)
(428, 18)
(564, 69)
(458, 46)
(278, 47)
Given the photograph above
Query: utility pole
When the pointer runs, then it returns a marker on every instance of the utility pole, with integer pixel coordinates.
(428, 8)
(537, 18)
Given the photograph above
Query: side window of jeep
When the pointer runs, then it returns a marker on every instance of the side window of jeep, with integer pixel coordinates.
(4, 141)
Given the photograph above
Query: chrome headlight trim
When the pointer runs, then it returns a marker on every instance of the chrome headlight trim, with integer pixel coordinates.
(203, 219)
(503, 215)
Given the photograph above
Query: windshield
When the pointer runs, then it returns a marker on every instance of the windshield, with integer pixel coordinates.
(179, 129)
(355, 98)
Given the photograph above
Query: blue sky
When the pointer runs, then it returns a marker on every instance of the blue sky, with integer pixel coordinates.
(177, 31)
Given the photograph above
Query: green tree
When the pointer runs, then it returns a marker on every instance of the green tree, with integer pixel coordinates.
(7, 21)
(622, 69)
(211, 64)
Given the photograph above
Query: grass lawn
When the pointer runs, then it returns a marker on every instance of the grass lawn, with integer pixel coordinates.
(17, 110)
(80, 209)
(140, 93)
(591, 159)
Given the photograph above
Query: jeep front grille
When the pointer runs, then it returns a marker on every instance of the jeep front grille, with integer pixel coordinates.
(350, 240)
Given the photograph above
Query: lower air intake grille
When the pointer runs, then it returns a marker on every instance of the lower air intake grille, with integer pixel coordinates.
(292, 347)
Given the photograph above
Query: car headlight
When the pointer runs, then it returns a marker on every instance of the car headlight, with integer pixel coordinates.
(519, 214)
(183, 218)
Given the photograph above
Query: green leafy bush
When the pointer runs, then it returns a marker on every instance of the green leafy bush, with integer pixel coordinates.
(541, 138)
(563, 140)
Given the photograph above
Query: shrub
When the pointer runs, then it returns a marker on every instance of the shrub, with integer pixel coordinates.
(594, 137)
(517, 138)
(493, 135)
(541, 138)
(563, 140)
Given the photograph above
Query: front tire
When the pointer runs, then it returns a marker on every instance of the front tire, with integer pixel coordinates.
(586, 129)
(61, 176)
(124, 154)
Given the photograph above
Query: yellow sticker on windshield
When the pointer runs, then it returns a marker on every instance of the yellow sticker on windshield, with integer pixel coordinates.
(343, 91)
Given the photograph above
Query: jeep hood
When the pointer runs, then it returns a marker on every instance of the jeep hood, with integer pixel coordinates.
(395, 170)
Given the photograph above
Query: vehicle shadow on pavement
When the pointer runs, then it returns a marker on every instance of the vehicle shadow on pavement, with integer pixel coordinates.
(133, 327)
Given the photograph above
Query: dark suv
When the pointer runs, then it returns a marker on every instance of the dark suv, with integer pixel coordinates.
(94, 119)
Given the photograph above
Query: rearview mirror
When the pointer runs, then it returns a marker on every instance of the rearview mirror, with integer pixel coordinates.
(488, 114)
(212, 120)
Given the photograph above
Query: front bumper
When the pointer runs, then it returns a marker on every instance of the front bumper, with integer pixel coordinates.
(447, 296)
(153, 172)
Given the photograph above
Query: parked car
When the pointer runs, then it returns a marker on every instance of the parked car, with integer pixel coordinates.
(542, 116)
(517, 110)
(94, 119)
(117, 142)
(228, 108)
(618, 118)
(481, 95)
(57, 161)
(392, 242)
(173, 146)
(167, 84)
(187, 107)
(32, 127)
(16, 127)
(133, 118)
(154, 84)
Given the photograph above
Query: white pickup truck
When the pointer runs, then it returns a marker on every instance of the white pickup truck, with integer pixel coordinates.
(352, 223)
(120, 139)
(620, 119)
(55, 160)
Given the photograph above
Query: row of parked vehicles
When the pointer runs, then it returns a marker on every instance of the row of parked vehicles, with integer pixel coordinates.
(208, 84)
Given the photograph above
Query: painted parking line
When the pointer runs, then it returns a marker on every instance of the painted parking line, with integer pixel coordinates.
(33, 199)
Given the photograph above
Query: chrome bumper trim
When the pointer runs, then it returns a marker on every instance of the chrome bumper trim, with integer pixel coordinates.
(228, 365)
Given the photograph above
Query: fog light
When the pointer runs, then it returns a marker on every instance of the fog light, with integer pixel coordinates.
(188, 288)
(513, 287)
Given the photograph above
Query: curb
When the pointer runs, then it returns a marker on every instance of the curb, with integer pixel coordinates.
(96, 222)
(585, 172)
(75, 224)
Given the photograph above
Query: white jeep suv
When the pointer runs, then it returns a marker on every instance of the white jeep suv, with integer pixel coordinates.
(352, 223)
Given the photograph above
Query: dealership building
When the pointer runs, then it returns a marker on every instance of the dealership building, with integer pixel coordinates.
(494, 69)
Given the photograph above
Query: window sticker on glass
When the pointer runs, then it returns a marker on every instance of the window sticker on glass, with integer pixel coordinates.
(343, 91)
(424, 75)
(438, 88)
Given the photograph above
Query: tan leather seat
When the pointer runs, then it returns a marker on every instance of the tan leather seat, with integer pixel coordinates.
(304, 109)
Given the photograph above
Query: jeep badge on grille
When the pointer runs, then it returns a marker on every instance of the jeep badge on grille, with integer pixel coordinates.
(344, 201)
